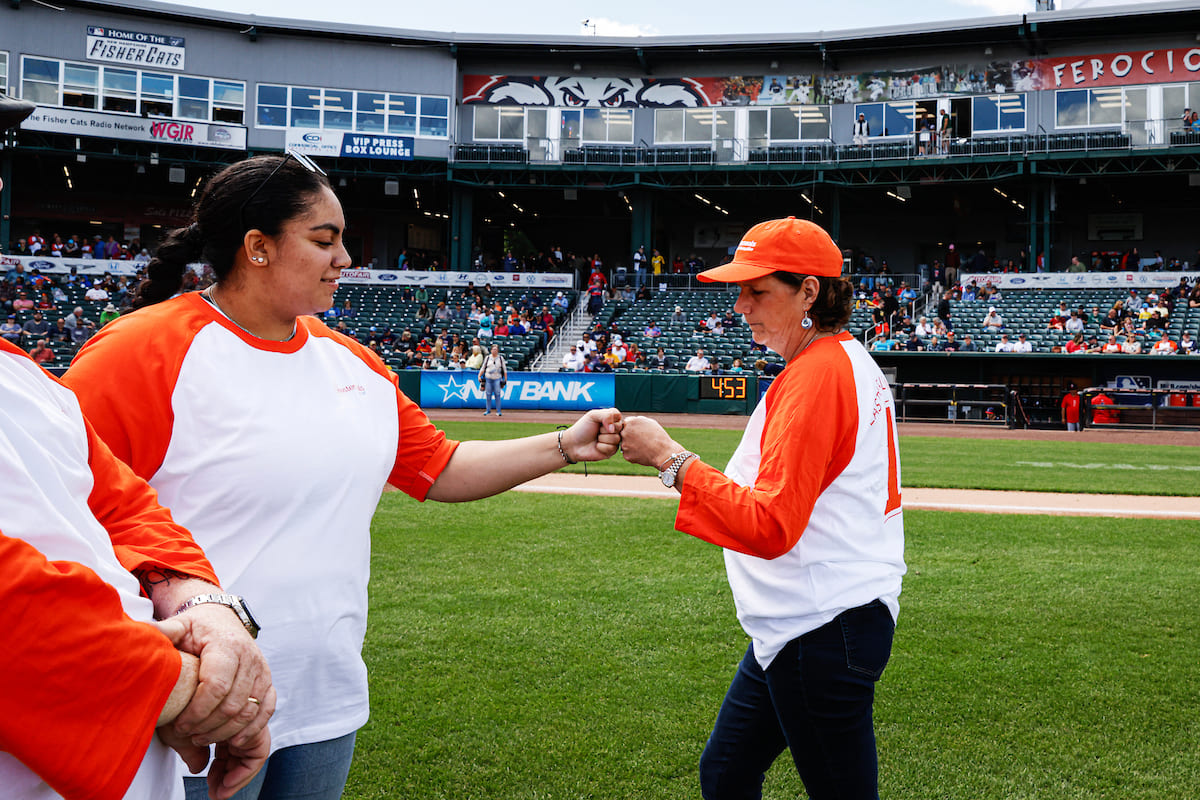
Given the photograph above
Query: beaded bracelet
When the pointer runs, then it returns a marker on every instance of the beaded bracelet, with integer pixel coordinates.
(562, 452)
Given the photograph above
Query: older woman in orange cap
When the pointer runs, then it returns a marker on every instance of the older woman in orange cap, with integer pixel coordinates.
(808, 512)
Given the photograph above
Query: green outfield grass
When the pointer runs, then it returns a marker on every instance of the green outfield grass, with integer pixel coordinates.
(954, 463)
(554, 648)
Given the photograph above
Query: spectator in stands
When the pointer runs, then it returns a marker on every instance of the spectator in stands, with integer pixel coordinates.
(1022, 344)
(1112, 345)
(924, 329)
(22, 303)
(41, 353)
(1074, 323)
(993, 321)
(1004, 345)
(934, 345)
(618, 348)
(1131, 345)
(573, 361)
(652, 331)
(678, 317)
(1075, 344)
(951, 343)
(699, 362)
(735, 368)
(914, 344)
(1093, 345)
(660, 360)
(60, 332)
(968, 345)
(272, 228)
(1164, 346)
(10, 330)
(883, 344)
(1076, 265)
(108, 314)
(96, 293)
(560, 302)
(36, 327)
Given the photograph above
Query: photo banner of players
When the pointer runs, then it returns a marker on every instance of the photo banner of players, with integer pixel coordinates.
(994, 77)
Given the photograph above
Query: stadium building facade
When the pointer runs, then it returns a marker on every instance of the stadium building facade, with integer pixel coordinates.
(1053, 133)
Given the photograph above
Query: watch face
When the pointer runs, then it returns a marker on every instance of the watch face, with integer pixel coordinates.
(668, 478)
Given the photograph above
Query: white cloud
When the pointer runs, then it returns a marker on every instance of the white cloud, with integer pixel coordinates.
(611, 27)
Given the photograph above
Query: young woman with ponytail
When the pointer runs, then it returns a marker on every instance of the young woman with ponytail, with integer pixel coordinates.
(271, 438)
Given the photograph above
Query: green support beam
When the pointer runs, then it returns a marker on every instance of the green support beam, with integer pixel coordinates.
(462, 226)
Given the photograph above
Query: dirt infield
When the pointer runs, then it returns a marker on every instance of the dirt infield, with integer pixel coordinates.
(994, 502)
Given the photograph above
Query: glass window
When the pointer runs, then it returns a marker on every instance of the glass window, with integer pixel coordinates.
(339, 110)
(434, 119)
(814, 122)
(698, 125)
(304, 110)
(985, 114)
(668, 125)
(158, 95)
(402, 114)
(4, 72)
(898, 119)
(874, 114)
(756, 131)
(723, 123)
(1106, 106)
(372, 116)
(39, 81)
(1174, 101)
(535, 123)
(193, 97)
(1012, 112)
(620, 125)
(512, 123)
(1194, 96)
(569, 127)
(229, 102)
(785, 123)
(594, 128)
(120, 90)
(487, 122)
(1071, 108)
(81, 86)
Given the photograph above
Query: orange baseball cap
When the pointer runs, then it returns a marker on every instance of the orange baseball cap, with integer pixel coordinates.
(780, 245)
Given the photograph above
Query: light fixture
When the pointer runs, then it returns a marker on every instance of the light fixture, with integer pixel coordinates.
(391, 187)
(774, 65)
(176, 175)
(577, 66)
(987, 51)
(141, 169)
(904, 191)
(342, 182)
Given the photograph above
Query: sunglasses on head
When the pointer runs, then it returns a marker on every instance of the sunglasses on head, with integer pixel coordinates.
(299, 158)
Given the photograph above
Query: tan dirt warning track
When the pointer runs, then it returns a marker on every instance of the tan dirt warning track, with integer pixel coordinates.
(996, 502)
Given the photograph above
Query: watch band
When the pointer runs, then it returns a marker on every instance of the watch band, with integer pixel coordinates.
(669, 475)
(230, 601)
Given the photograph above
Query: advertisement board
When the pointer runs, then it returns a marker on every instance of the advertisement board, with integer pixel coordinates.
(564, 391)
(344, 144)
(78, 122)
(1078, 280)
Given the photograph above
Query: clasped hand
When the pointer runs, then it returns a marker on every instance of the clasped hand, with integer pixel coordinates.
(595, 436)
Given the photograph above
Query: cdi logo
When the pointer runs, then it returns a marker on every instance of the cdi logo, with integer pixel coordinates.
(312, 138)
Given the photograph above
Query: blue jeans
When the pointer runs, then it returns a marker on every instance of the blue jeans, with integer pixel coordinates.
(314, 771)
(815, 699)
(492, 390)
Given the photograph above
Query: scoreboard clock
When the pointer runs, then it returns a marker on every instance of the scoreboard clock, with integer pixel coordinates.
(723, 387)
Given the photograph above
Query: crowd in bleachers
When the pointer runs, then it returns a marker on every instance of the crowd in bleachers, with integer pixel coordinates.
(449, 329)
(50, 316)
(76, 246)
(969, 318)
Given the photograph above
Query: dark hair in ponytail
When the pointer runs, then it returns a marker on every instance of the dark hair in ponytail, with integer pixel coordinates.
(277, 188)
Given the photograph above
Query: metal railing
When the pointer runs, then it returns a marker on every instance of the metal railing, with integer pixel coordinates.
(1156, 133)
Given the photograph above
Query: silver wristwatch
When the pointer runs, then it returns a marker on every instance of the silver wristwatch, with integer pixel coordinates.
(668, 475)
(230, 600)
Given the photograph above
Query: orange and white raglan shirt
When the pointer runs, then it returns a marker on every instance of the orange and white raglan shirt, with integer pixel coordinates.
(84, 677)
(274, 456)
(808, 509)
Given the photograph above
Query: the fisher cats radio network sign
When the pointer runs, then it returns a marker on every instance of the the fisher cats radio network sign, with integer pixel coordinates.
(134, 48)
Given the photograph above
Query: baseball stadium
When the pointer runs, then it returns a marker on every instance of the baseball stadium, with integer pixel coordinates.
(1011, 200)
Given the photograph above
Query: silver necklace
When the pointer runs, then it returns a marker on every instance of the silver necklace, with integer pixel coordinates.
(209, 294)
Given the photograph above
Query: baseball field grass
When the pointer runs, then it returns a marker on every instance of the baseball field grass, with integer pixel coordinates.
(544, 647)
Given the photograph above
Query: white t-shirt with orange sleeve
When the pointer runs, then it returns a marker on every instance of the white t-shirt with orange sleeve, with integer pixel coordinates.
(274, 455)
(809, 508)
(85, 679)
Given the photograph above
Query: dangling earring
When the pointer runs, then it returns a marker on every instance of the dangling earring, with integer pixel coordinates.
(807, 322)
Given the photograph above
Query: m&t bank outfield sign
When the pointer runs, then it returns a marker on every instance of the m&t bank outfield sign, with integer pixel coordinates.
(571, 391)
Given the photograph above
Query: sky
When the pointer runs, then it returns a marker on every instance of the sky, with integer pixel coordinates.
(631, 17)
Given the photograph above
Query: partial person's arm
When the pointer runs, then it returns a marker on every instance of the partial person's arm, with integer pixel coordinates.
(172, 568)
(84, 684)
(481, 469)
